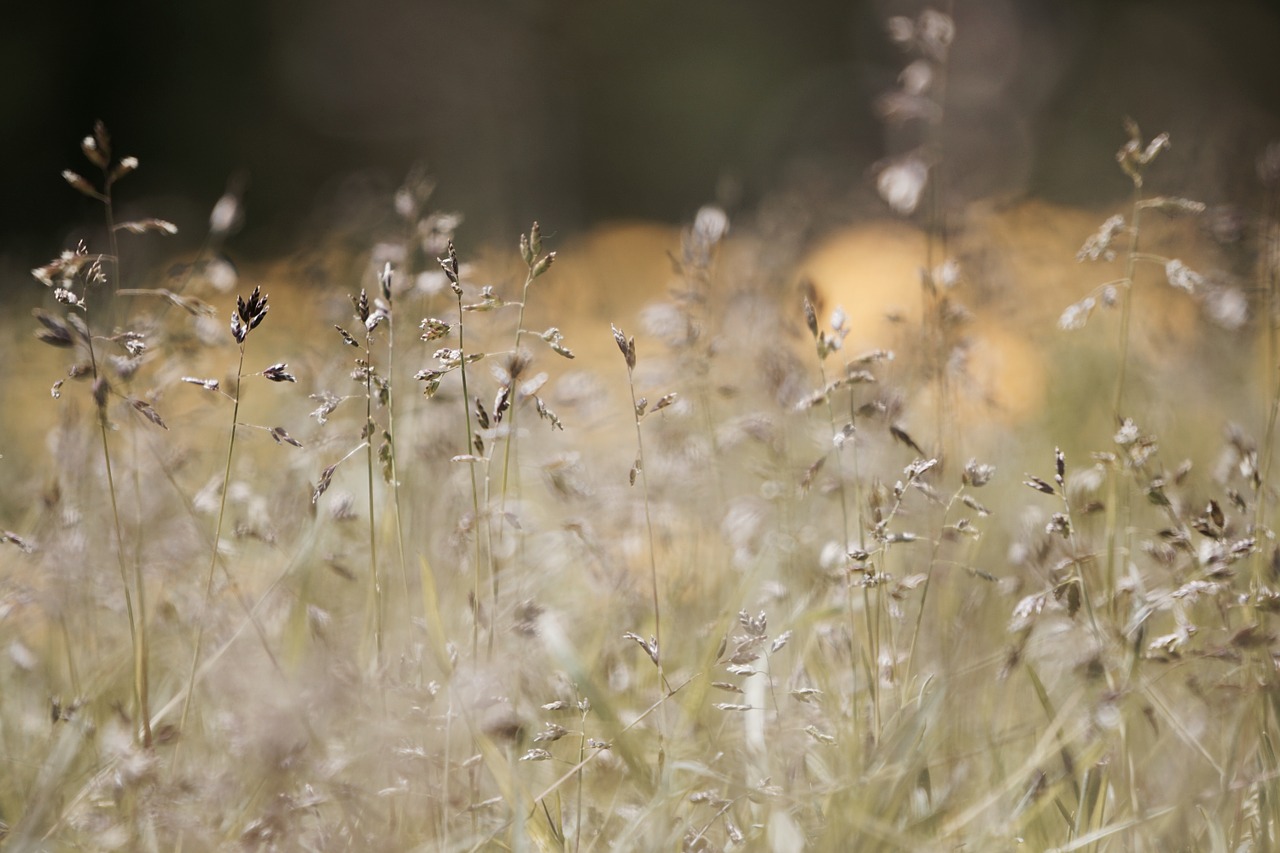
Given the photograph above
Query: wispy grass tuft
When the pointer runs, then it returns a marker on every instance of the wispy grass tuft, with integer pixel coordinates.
(856, 645)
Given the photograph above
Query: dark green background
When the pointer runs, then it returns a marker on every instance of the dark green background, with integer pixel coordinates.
(582, 110)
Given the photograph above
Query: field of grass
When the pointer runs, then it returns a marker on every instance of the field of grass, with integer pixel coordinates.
(288, 570)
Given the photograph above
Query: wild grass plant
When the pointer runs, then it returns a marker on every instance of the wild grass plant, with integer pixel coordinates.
(791, 623)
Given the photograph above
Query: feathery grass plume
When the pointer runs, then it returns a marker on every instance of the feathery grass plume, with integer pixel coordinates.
(1180, 539)
(1071, 585)
(1134, 158)
(866, 549)
(581, 747)
(639, 408)
(967, 530)
(376, 393)
(403, 272)
(826, 344)
(696, 324)
(247, 316)
(508, 400)
(477, 452)
(458, 359)
(73, 277)
(387, 456)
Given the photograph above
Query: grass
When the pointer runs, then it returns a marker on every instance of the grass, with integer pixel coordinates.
(727, 599)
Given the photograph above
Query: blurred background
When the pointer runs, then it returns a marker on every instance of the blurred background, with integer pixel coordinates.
(578, 111)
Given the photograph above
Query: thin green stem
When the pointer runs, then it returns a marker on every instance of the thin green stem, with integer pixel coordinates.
(475, 488)
(844, 501)
(509, 445)
(395, 475)
(653, 568)
(648, 522)
(1117, 504)
(371, 428)
(582, 758)
(217, 540)
(1126, 304)
(511, 417)
(133, 588)
(928, 582)
(194, 514)
(135, 602)
(851, 614)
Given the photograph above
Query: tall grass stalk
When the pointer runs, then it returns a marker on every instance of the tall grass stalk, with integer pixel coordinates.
(536, 264)
(826, 344)
(456, 359)
(1126, 305)
(97, 149)
(959, 495)
(1133, 158)
(370, 318)
(411, 205)
(628, 348)
(135, 602)
(247, 316)
(391, 461)
(450, 265)
(375, 575)
(584, 707)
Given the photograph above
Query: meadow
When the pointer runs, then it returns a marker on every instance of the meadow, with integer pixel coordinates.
(707, 538)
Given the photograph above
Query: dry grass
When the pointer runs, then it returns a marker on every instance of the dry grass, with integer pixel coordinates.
(720, 590)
